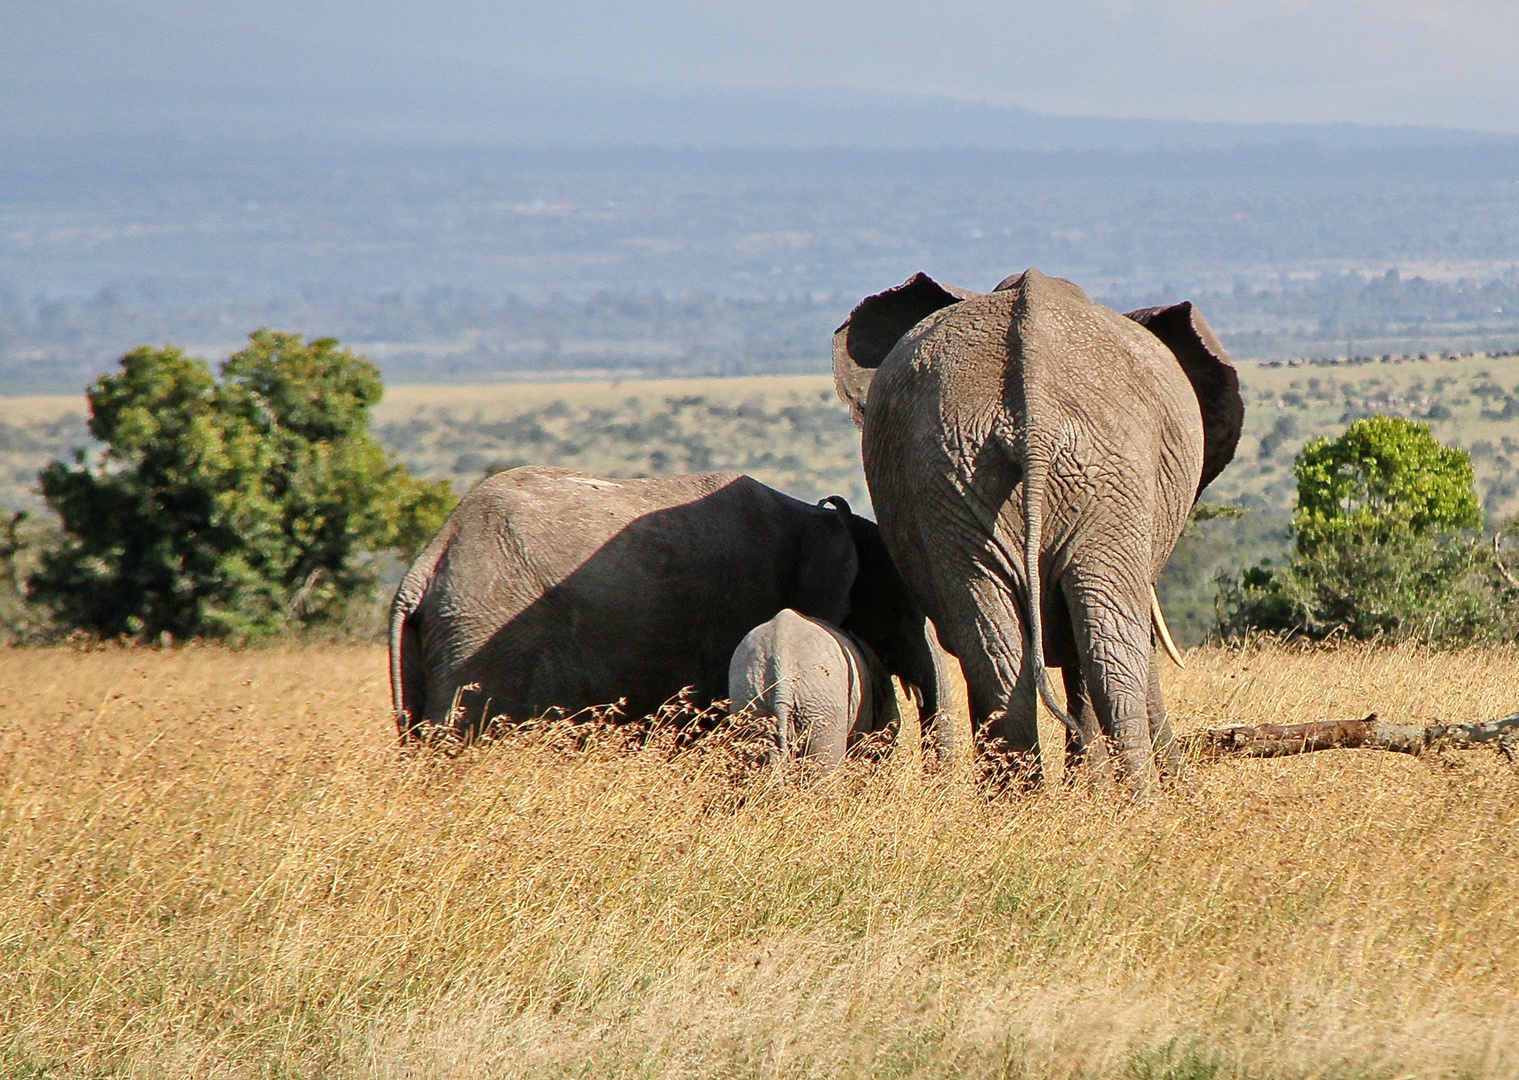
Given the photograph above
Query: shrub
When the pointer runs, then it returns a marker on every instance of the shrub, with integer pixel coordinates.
(1384, 547)
(1441, 588)
(229, 508)
(1386, 476)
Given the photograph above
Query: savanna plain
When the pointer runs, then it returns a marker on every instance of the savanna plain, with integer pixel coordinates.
(218, 863)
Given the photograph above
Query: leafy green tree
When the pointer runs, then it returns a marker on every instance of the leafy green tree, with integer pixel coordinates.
(231, 507)
(1385, 476)
(1384, 547)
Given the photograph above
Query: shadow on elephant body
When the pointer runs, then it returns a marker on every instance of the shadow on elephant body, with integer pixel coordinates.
(886, 619)
(553, 590)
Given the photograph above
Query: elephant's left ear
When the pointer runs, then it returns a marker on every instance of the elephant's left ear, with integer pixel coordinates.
(1214, 380)
(874, 327)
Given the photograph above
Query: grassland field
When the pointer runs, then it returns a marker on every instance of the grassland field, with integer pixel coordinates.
(216, 863)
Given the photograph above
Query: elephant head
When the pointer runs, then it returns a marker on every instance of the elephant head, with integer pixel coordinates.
(884, 616)
(1031, 456)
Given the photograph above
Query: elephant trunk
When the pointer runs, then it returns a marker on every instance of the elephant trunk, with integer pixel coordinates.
(915, 657)
(935, 724)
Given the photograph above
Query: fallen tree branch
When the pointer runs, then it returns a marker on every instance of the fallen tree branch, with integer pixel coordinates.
(1279, 740)
(1497, 558)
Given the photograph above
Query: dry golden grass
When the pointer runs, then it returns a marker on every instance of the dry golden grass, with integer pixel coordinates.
(509, 399)
(496, 399)
(216, 864)
(41, 408)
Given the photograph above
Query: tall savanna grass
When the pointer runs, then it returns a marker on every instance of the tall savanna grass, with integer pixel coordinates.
(217, 864)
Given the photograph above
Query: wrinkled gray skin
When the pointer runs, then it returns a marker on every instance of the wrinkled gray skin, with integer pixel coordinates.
(884, 616)
(818, 690)
(1032, 427)
(550, 588)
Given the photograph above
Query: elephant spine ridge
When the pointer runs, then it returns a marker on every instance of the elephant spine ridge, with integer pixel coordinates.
(1031, 443)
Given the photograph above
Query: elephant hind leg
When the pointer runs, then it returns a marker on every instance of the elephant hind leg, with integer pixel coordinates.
(1005, 727)
(824, 736)
(989, 643)
(1008, 741)
(1113, 636)
(1094, 756)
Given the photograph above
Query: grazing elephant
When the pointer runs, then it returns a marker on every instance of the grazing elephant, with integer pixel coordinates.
(884, 617)
(822, 689)
(549, 588)
(1033, 428)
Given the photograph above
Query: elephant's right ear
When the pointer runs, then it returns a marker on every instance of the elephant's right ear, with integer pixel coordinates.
(1215, 382)
(874, 327)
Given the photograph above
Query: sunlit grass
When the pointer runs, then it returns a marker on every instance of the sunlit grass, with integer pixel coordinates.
(216, 863)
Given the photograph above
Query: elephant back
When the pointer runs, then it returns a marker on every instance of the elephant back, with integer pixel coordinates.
(881, 321)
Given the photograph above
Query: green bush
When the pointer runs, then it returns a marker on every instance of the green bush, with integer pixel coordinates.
(1384, 547)
(231, 507)
(1441, 588)
(25, 538)
(1386, 476)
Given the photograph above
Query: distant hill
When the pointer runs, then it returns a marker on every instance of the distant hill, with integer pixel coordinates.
(127, 73)
(502, 111)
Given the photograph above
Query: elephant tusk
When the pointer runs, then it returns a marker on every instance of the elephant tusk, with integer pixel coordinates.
(1163, 630)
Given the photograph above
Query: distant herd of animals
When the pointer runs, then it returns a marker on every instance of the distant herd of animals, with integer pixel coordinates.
(1032, 458)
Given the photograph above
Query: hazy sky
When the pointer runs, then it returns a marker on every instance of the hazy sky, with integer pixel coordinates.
(1446, 62)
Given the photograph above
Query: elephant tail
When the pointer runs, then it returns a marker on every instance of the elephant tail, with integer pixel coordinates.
(1032, 446)
(408, 670)
(407, 681)
(1035, 466)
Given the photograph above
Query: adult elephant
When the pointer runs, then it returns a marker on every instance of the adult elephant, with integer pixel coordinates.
(1027, 428)
(549, 588)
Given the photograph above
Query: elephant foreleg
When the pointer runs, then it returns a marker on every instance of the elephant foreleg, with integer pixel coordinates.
(1167, 748)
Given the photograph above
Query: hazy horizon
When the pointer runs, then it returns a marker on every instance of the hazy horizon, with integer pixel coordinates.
(407, 173)
(589, 72)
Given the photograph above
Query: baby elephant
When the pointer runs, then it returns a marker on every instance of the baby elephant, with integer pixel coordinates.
(824, 689)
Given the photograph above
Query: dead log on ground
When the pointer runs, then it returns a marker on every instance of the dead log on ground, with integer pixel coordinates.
(1278, 740)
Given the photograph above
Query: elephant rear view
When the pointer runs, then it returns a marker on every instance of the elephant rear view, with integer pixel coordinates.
(1032, 457)
(817, 689)
(549, 588)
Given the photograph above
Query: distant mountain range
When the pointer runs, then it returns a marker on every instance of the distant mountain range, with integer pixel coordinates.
(124, 73)
(504, 111)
